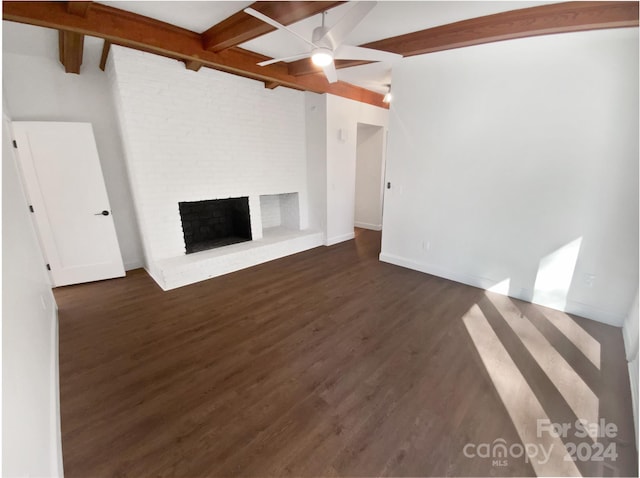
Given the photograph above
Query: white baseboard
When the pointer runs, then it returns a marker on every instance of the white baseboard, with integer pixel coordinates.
(366, 225)
(55, 426)
(157, 276)
(633, 382)
(571, 307)
(468, 279)
(593, 313)
(337, 239)
(129, 266)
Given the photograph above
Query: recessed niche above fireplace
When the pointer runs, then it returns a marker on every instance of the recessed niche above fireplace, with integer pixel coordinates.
(215, 223)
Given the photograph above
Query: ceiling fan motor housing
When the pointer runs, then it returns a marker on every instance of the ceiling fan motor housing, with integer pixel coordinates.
(320, 37)
(328, 43)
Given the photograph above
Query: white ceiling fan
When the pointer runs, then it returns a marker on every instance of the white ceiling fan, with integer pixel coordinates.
(327, 43)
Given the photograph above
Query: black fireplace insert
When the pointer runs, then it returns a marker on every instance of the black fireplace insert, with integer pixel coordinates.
(215, 223)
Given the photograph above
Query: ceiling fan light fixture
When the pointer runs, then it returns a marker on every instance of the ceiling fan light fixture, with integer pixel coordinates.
(388, 97)
(322, 57)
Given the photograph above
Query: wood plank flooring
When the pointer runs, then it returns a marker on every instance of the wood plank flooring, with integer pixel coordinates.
(325, 363)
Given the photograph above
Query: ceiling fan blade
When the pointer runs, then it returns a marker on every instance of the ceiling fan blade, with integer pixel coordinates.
(349, 52)
(330, 72)
(273, 23)
(374, 85)
(288, 58)
(340, 30)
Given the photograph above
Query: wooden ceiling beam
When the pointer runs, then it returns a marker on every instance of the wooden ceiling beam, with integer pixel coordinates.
(78, 8)
(71, 46)
(142, 33)
(241, 27)
(106, 48)
(527, 22)
(192, 65)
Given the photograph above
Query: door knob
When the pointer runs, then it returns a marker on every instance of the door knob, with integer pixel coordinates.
(103, 213)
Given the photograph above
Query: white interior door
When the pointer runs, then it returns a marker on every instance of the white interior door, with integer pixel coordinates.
(61, 169)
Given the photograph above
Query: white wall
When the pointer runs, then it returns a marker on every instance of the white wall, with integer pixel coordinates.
(192, 136)
(343, 116)
(316, 141)
(369, 176)
(630, 334)
(500, 155)
(36, 88)
(31, 444)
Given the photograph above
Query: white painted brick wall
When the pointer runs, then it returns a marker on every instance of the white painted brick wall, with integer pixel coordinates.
(270, 210)
(280, 210)
(289, 206)
(191, 136)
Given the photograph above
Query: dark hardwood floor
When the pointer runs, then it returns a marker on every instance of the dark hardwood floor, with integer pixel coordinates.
(327, 363)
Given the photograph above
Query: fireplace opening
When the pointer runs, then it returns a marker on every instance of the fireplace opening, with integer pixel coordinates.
(215, 223)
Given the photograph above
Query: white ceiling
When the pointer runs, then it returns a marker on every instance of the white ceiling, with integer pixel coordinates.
(195, 16)
(387, 19)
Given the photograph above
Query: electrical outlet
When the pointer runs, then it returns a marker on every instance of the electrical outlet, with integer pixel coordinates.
(589, 280)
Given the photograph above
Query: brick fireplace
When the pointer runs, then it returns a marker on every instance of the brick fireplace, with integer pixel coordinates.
(215, 223)
(194, 138)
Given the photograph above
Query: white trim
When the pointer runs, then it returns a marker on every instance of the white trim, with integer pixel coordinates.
(56, 431)
(629, 329)
(475, 281)
(366, 225)
(593, 313)
(129, 266)
(632, 367)
(157, 276)
(630, 337)
(337, 239)
(572, 307)
(628, 344)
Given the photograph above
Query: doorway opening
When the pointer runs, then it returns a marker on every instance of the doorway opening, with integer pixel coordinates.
(370, 165)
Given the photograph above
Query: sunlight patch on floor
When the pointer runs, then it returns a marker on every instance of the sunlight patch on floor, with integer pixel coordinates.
(571, 386)
(589, 346)
(518, 398)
